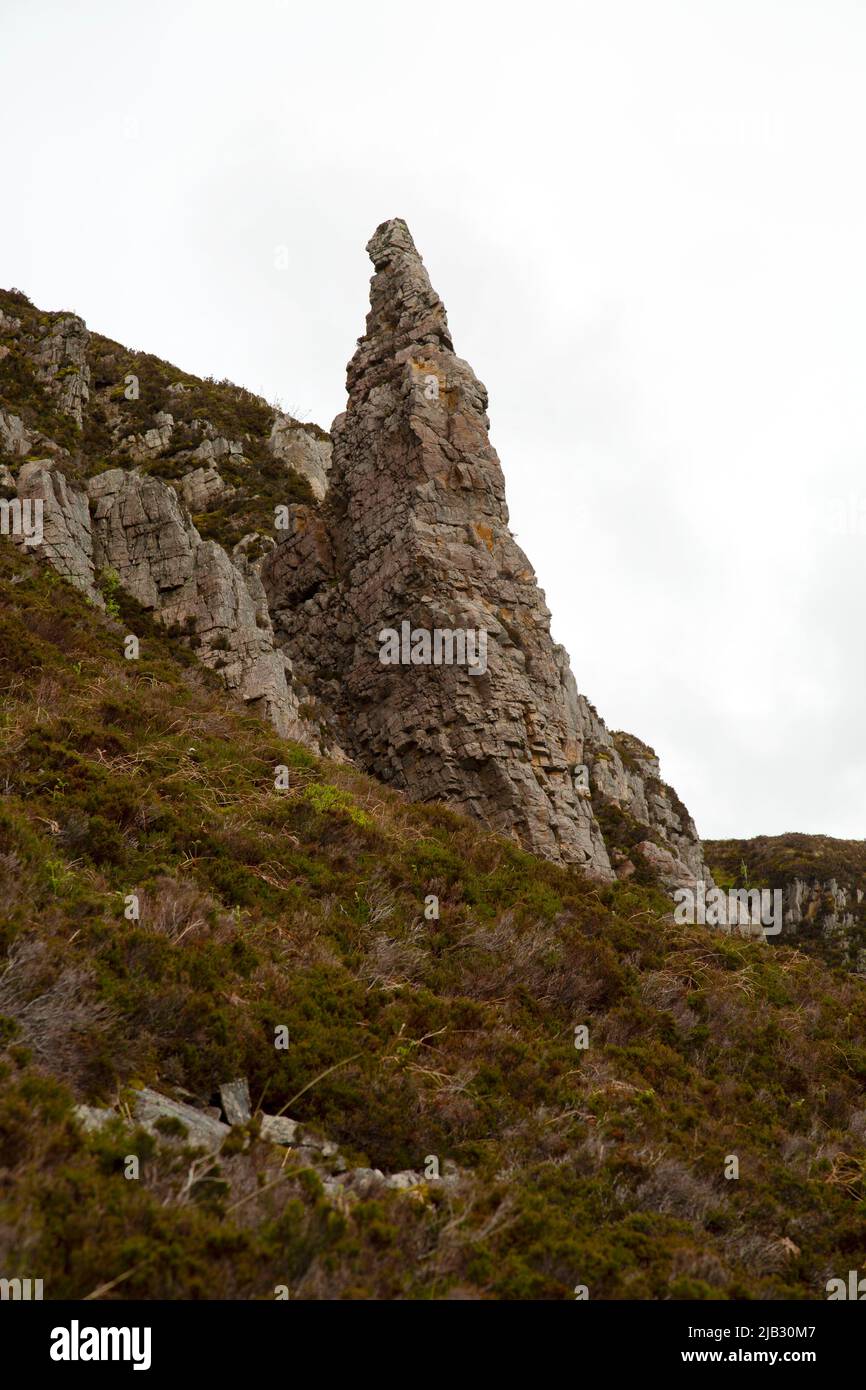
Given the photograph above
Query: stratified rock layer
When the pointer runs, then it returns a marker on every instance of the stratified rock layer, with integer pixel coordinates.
(135, 528)
(181, 489)
(415, 530)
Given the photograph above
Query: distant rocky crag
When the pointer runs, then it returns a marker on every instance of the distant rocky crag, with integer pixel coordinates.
(823, 886)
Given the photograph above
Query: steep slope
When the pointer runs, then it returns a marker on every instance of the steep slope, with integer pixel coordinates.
(309, 905)
(214, 511)
(144, 477)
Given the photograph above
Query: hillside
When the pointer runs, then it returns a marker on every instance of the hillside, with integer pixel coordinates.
(823, 881)
(96, 404)
(285, 556)
(409, 1036)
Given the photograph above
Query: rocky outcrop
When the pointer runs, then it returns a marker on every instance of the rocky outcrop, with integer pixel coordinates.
(305, 451)
(142, 534)
(153, 442)
(135, 527)
(67, 539)
(61, 364)
(834, 913)
(822, 881)
(203, 489)
(628, 793)
(413, 538)
(206, 1128)
(414, 531)
(15, 440)
(394, 617)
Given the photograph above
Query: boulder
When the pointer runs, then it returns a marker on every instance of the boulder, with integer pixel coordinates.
(235, 1099)
(202, 1130)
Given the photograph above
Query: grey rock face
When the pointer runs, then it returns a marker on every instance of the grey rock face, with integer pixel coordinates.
(303, 451)
(235, 1098)
(416, 518)
(414, 529)
(203, 488)
(61, 363)
(153, 442)
(835, 911)
(142, 533)
(136, 527)
(67, 542)
(216, 447)
(15, 440)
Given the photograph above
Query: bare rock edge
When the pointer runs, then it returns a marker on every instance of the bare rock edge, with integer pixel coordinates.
(412, 527)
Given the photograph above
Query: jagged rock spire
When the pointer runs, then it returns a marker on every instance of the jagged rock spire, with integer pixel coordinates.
(415, 532)
(405, 310)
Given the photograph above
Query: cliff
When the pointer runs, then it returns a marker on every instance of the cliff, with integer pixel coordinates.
(823, 886)
(353, 1044)
(286, 556)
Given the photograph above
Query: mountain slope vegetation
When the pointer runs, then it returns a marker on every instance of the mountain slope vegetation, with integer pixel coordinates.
(303, 906)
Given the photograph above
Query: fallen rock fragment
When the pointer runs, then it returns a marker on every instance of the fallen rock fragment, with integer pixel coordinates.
(201, 1129)
(235, 1099)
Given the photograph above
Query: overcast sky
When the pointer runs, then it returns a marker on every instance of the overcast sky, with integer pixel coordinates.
(648, 225)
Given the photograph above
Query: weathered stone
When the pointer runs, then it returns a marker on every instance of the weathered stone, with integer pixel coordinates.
(414, 529)
(92, 1118)
(403, 1181)
(671, 872)
(360, 1182)
(67, 542)
(215, 447)
(144, 535)
(279, 1129)
(154, 441)
(15, 440)
(235, 1098)
(304, 450)
(416, 514)
(60, 359)
(203, 489)
(201, 1129)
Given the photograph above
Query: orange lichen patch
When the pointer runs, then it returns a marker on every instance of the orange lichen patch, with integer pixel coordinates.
(425, 373)
(429, 369)
(484, 534)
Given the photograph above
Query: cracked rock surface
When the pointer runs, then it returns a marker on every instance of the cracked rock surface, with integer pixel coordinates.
(415, 529)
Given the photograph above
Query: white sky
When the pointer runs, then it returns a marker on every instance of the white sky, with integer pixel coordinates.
(648, 225)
